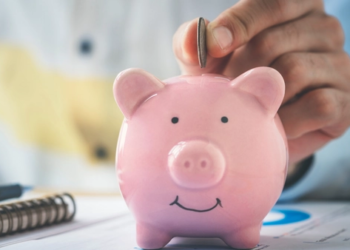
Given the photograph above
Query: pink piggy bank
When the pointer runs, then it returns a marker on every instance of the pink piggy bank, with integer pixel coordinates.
(200, 156)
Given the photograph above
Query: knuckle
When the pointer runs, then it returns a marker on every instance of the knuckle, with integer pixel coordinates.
(291, 30)
(323, 104)
(340, 64)
(280, 5)
(345, 59)
(341, 61)
(294, 70)
(263, 45)
(276, 8)
(335, 27)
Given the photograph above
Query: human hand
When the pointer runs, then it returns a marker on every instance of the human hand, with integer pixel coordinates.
(298, 39)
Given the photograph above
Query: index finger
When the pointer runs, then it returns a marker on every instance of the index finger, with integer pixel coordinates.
(238, 24)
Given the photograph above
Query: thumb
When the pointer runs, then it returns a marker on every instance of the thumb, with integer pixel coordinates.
(238, 24)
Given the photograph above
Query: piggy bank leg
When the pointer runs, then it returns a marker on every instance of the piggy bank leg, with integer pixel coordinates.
(149, 237)
(244, 238)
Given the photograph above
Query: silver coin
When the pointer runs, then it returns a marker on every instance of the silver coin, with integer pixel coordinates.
(201, 42)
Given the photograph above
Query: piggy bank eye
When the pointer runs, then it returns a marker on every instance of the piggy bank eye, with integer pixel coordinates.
(174, 120)
(224, 119)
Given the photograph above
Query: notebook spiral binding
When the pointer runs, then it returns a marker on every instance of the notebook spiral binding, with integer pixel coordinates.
(36, 213)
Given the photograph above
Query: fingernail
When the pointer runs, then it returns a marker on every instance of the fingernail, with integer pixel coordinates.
(223, 36)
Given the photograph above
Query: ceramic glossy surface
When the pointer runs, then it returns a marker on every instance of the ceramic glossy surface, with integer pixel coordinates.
(200, 156)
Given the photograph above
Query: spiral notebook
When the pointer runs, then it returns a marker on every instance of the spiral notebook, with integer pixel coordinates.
(36, 213)
(91, 210)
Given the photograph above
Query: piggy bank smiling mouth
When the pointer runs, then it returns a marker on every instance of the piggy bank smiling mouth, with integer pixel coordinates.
(176, 202)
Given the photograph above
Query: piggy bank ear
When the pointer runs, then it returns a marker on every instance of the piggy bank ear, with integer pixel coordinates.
(132, 87)
(266, 84)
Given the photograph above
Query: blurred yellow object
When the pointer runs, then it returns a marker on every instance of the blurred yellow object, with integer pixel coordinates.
(50, 110)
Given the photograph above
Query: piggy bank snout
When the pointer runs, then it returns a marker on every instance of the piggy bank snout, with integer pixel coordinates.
(196, 164)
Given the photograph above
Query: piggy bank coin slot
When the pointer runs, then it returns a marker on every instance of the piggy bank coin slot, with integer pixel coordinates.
(176, 202)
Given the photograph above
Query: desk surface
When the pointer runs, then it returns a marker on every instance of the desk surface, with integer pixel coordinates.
(103, 222)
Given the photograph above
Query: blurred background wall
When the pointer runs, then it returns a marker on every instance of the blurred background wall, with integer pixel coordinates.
(59, 123)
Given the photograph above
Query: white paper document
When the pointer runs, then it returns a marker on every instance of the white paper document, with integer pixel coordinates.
(105, 223)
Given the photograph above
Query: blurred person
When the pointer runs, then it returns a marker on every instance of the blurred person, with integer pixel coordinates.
(59, 123)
